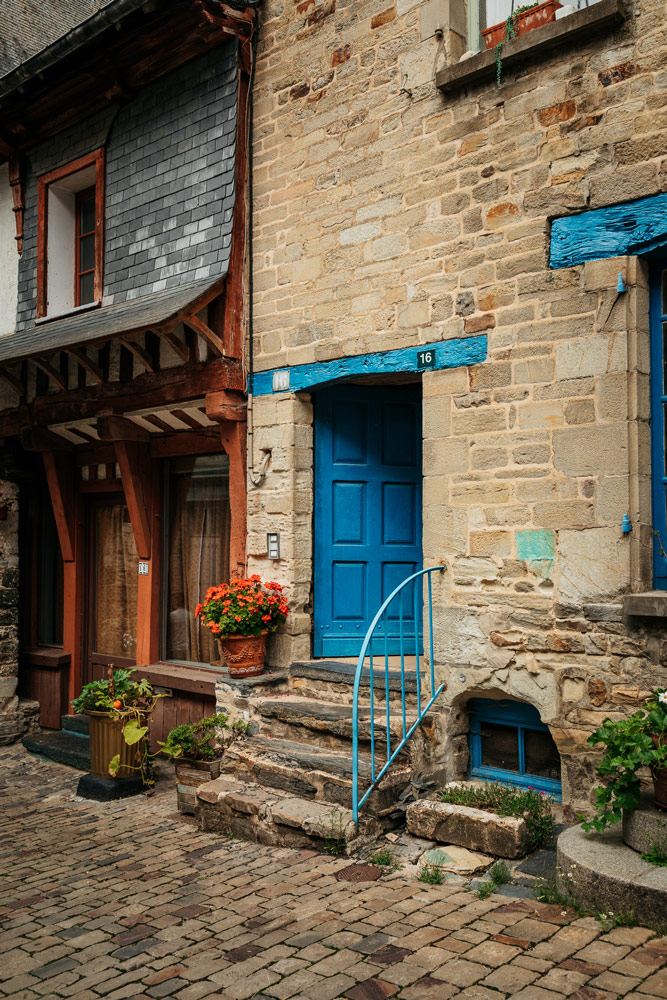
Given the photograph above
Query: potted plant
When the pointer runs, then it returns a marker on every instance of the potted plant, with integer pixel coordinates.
(119, 708)
(523, 19)
(632, 743)
(240, 614)
(197, 750)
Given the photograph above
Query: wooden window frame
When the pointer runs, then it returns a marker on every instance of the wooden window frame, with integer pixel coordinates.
(79, 197)
(96, 159)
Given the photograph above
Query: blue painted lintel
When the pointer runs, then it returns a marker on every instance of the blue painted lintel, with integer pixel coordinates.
(448, 354)
(635, 227)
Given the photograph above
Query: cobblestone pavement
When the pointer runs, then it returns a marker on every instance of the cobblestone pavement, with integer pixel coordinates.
(128, 900)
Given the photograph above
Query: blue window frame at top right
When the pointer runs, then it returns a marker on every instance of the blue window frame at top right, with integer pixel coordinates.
(658, 326)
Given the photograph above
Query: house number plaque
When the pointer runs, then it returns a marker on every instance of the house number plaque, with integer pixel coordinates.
(426, 359)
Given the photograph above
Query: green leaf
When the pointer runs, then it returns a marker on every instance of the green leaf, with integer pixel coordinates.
(133, 732)
(114, 765)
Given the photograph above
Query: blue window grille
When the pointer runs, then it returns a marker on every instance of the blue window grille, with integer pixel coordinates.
(658, 322)
(509, 743)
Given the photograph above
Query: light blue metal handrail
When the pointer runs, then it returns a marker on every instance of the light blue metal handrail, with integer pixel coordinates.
(367, 648)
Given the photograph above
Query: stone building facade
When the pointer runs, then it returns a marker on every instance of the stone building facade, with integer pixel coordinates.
(401, 197)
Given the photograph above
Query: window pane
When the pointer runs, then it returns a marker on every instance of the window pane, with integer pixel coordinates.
(87, 214)
(664, 293)
(86, 288)
(664, 356)
(500, 746)
(115, 595)
(198, 551)
(87, 253)
(541, 755)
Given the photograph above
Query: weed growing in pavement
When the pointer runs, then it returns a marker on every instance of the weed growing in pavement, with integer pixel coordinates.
(499, 873)
(383, 858)
(610, 919)
(334, 839)
(526, 803)
(485, 890)
(657, 855)
(431, 874)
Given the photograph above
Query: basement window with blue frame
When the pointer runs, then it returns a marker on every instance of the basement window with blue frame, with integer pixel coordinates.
(510, 743)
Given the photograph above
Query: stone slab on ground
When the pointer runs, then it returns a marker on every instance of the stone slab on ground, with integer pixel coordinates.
(646, 826)
(63, 747)
(541, 863)
(128, 899)
(456, 859)
(609, 875)
(450, 823)
(108, 789)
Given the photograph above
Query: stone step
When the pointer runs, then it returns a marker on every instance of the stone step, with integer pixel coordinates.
(75, 724)
(333, 680)
(63, 747)
(314, 773)
(229, 805)
(327, 724)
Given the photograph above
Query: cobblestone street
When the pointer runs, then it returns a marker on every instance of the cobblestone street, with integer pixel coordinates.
(128, 900)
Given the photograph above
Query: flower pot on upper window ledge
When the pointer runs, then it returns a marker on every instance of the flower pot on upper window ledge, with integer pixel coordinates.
(525, 21)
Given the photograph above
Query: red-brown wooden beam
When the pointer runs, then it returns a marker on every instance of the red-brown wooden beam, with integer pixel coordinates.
(135, 471)
(16, 181)
(235, 315)
(220, 407)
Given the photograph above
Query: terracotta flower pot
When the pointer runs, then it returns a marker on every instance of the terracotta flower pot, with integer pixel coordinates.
(244, 654)
(106, 740)
(659, 781)
(544, 13)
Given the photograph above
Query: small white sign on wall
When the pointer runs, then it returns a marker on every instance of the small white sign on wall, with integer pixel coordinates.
(143, 568)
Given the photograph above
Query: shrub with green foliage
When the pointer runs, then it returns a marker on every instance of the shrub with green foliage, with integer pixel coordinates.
(505, 800)
(203, 740)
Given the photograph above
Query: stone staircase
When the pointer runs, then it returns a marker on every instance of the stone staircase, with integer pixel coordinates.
(290, 783)
(70, 745)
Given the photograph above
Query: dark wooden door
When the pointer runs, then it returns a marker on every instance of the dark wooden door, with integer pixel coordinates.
(111, 612)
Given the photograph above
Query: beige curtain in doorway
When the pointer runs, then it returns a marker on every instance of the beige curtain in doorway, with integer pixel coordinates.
(115, 596)
(198, 529)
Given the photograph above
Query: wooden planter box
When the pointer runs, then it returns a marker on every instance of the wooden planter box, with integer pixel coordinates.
(190, 774)
(544, 13)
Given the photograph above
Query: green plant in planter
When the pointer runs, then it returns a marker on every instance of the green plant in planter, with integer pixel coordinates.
(511, 25)
(630, 746)
(130, 702)
(204, 740)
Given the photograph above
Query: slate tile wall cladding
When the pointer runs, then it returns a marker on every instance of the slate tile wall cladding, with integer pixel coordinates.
(169, 182)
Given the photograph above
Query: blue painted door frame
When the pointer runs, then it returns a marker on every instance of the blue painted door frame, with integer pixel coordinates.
(658, 325)
(368, 517)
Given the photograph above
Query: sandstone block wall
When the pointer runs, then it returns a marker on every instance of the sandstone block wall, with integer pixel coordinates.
(387, 215)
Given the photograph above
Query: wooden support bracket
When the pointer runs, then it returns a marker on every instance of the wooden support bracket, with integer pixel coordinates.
(15, 383)
(133, 457)
(140, 354)
(178, 346)
(53, 374)
(85, 362)
(199, 327)
(60, 475)
(114, 428)
(17, 184)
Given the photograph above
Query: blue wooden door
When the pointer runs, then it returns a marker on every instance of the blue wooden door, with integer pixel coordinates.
(368, 477)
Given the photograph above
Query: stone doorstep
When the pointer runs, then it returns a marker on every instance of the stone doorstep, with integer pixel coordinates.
(270, 816)
(313, 772)
(476, 829)
(340, 672)
(312, 720)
